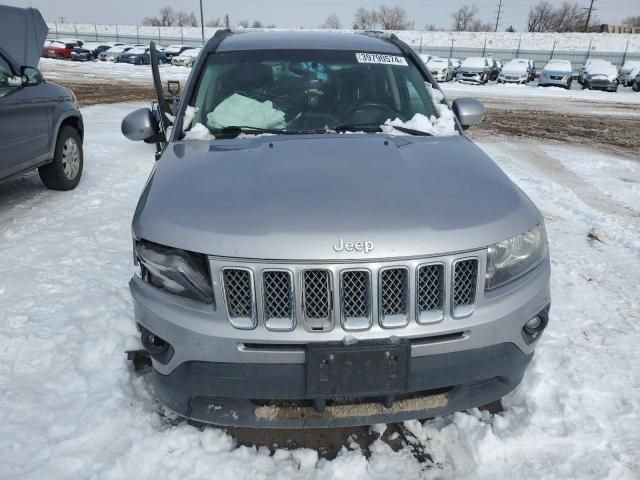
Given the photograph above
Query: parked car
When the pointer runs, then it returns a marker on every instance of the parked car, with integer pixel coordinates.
(259, 306)
(112, 54)
(556, 73)
(635, 85)
(476, 70)
(586, 66)
(441, 69)
(42, 126)
(515, 71)
(140, 56)
(601, 76)
(89, 51)
(456, 62)
(629, 72)
(59, 50)
(186, 58)
(175, 50)
(77, 41)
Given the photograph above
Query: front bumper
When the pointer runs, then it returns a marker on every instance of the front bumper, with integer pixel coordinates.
(213, 371)
(259, 395)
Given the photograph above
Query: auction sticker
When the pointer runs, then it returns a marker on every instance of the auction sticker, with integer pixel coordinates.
(381, 58)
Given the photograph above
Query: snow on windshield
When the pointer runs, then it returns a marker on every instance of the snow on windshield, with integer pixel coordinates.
(515, 66)
(438, 62)
(474, 62)
(558, 65)
(443, 125)
(136, 51)
(603, 68)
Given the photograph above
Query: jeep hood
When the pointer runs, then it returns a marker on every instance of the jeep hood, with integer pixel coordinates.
(22, 35)
(294, 197)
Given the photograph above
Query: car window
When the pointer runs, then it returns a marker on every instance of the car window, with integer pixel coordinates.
(8, 81)
(302, 90)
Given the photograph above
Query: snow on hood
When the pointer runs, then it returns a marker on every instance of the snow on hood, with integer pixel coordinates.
(441, 126)
(22, 34)
(515, 67)
(474, 62)
(603, 69)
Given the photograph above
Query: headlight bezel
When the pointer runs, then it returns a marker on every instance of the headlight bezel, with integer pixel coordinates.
(176, 271)
(510, 259)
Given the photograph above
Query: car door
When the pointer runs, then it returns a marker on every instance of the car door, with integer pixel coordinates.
(24, 120)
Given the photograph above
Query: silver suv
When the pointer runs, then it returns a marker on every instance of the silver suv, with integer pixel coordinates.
(316, 247)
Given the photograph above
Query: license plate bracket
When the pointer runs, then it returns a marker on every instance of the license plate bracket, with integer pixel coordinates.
(356, 370)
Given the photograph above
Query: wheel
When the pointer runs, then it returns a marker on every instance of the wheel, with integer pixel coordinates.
(66, 169)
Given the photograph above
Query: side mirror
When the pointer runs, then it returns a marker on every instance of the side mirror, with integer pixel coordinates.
(30, 76)
(469, 111)
(139, 125)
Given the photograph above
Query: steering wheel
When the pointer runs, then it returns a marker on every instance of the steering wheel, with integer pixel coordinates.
(384, 109)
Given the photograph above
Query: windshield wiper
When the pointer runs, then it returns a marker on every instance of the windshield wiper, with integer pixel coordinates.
(236, 130)
(411, 131)
(357, 127)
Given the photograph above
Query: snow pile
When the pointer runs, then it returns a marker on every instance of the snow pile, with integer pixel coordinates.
(239, 110)
(199, 132)
(442, 125)
(71, 407)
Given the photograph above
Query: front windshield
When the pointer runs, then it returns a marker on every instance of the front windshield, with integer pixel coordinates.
(474, 62)
(438, 63)
(302, 91)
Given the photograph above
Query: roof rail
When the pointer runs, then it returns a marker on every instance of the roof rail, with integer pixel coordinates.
(379, 34)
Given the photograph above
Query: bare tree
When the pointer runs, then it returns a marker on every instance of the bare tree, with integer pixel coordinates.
(183, 19)
(151, 22)
(480, 26)
(271, 25)
(167, 16)
(633, 21)
(464, 18)
(215, 23)
(541, 17)
(365, 19)
(393, 18)
(569, 17)
(227, 21)
(256, 24)
(430, 27)
(332, 22)
(243, 23)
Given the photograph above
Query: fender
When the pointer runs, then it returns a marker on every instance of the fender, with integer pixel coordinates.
(61, 118)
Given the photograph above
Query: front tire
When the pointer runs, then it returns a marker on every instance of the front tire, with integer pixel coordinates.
(66, 169)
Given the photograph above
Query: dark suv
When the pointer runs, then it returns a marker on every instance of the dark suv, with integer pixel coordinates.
(45, 130)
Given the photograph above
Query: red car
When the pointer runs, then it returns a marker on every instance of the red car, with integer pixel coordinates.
(55, 49)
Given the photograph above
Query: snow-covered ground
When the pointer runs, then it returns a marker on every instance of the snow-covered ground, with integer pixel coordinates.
(71, 407)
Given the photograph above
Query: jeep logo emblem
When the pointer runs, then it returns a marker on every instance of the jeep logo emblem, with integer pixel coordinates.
(343, 246)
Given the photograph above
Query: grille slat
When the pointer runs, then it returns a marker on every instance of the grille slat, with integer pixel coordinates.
(394, 293)
(356, 299)
(239, 297)
(316, 291)
(277, 293)
(465, 273)
(430, 293)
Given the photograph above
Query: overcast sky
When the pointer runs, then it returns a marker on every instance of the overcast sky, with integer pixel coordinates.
(306, 13)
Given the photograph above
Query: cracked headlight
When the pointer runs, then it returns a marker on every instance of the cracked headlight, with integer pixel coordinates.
(509, 259)
(177, 271)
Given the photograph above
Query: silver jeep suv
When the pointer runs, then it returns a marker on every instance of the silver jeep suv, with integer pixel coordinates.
(320, 244)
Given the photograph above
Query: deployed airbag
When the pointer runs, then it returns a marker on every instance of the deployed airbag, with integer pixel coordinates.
(241, 111)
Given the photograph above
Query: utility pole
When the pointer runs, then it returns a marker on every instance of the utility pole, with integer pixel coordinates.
(586, 24)
(202, 22)
(498, 15)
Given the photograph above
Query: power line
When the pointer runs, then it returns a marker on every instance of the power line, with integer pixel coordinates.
(498, 15)
(586, 24)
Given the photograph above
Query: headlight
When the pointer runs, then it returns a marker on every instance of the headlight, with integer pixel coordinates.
(512, 258)
(177, 271)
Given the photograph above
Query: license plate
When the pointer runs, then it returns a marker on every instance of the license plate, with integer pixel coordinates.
(356, 370)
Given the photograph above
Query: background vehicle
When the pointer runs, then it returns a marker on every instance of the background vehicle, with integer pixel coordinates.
(629, 72)
(601, 76)
(586, 67)
(186, 58)
(89, 51)
(556, 73)
(57, 49)
(636, 84)
(77, 41)
(515, 71)
(476, 70)
(456, 62)
(441, 69)
(174, 50)
(139, 56)
(337, 323)
(41, 124)
(111, 55)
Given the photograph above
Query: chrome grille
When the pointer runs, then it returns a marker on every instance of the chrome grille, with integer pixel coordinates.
(430, 293)
(356, 299)
(394, 297)
(465, 273)
(277, 296)
(316, 291)
(239, 297)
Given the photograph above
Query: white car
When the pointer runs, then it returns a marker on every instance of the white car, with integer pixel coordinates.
(600, 75)
(556, 73)
(186, 58)
(441, 69)
(515, 71)
(111, 55)
(629, 71)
